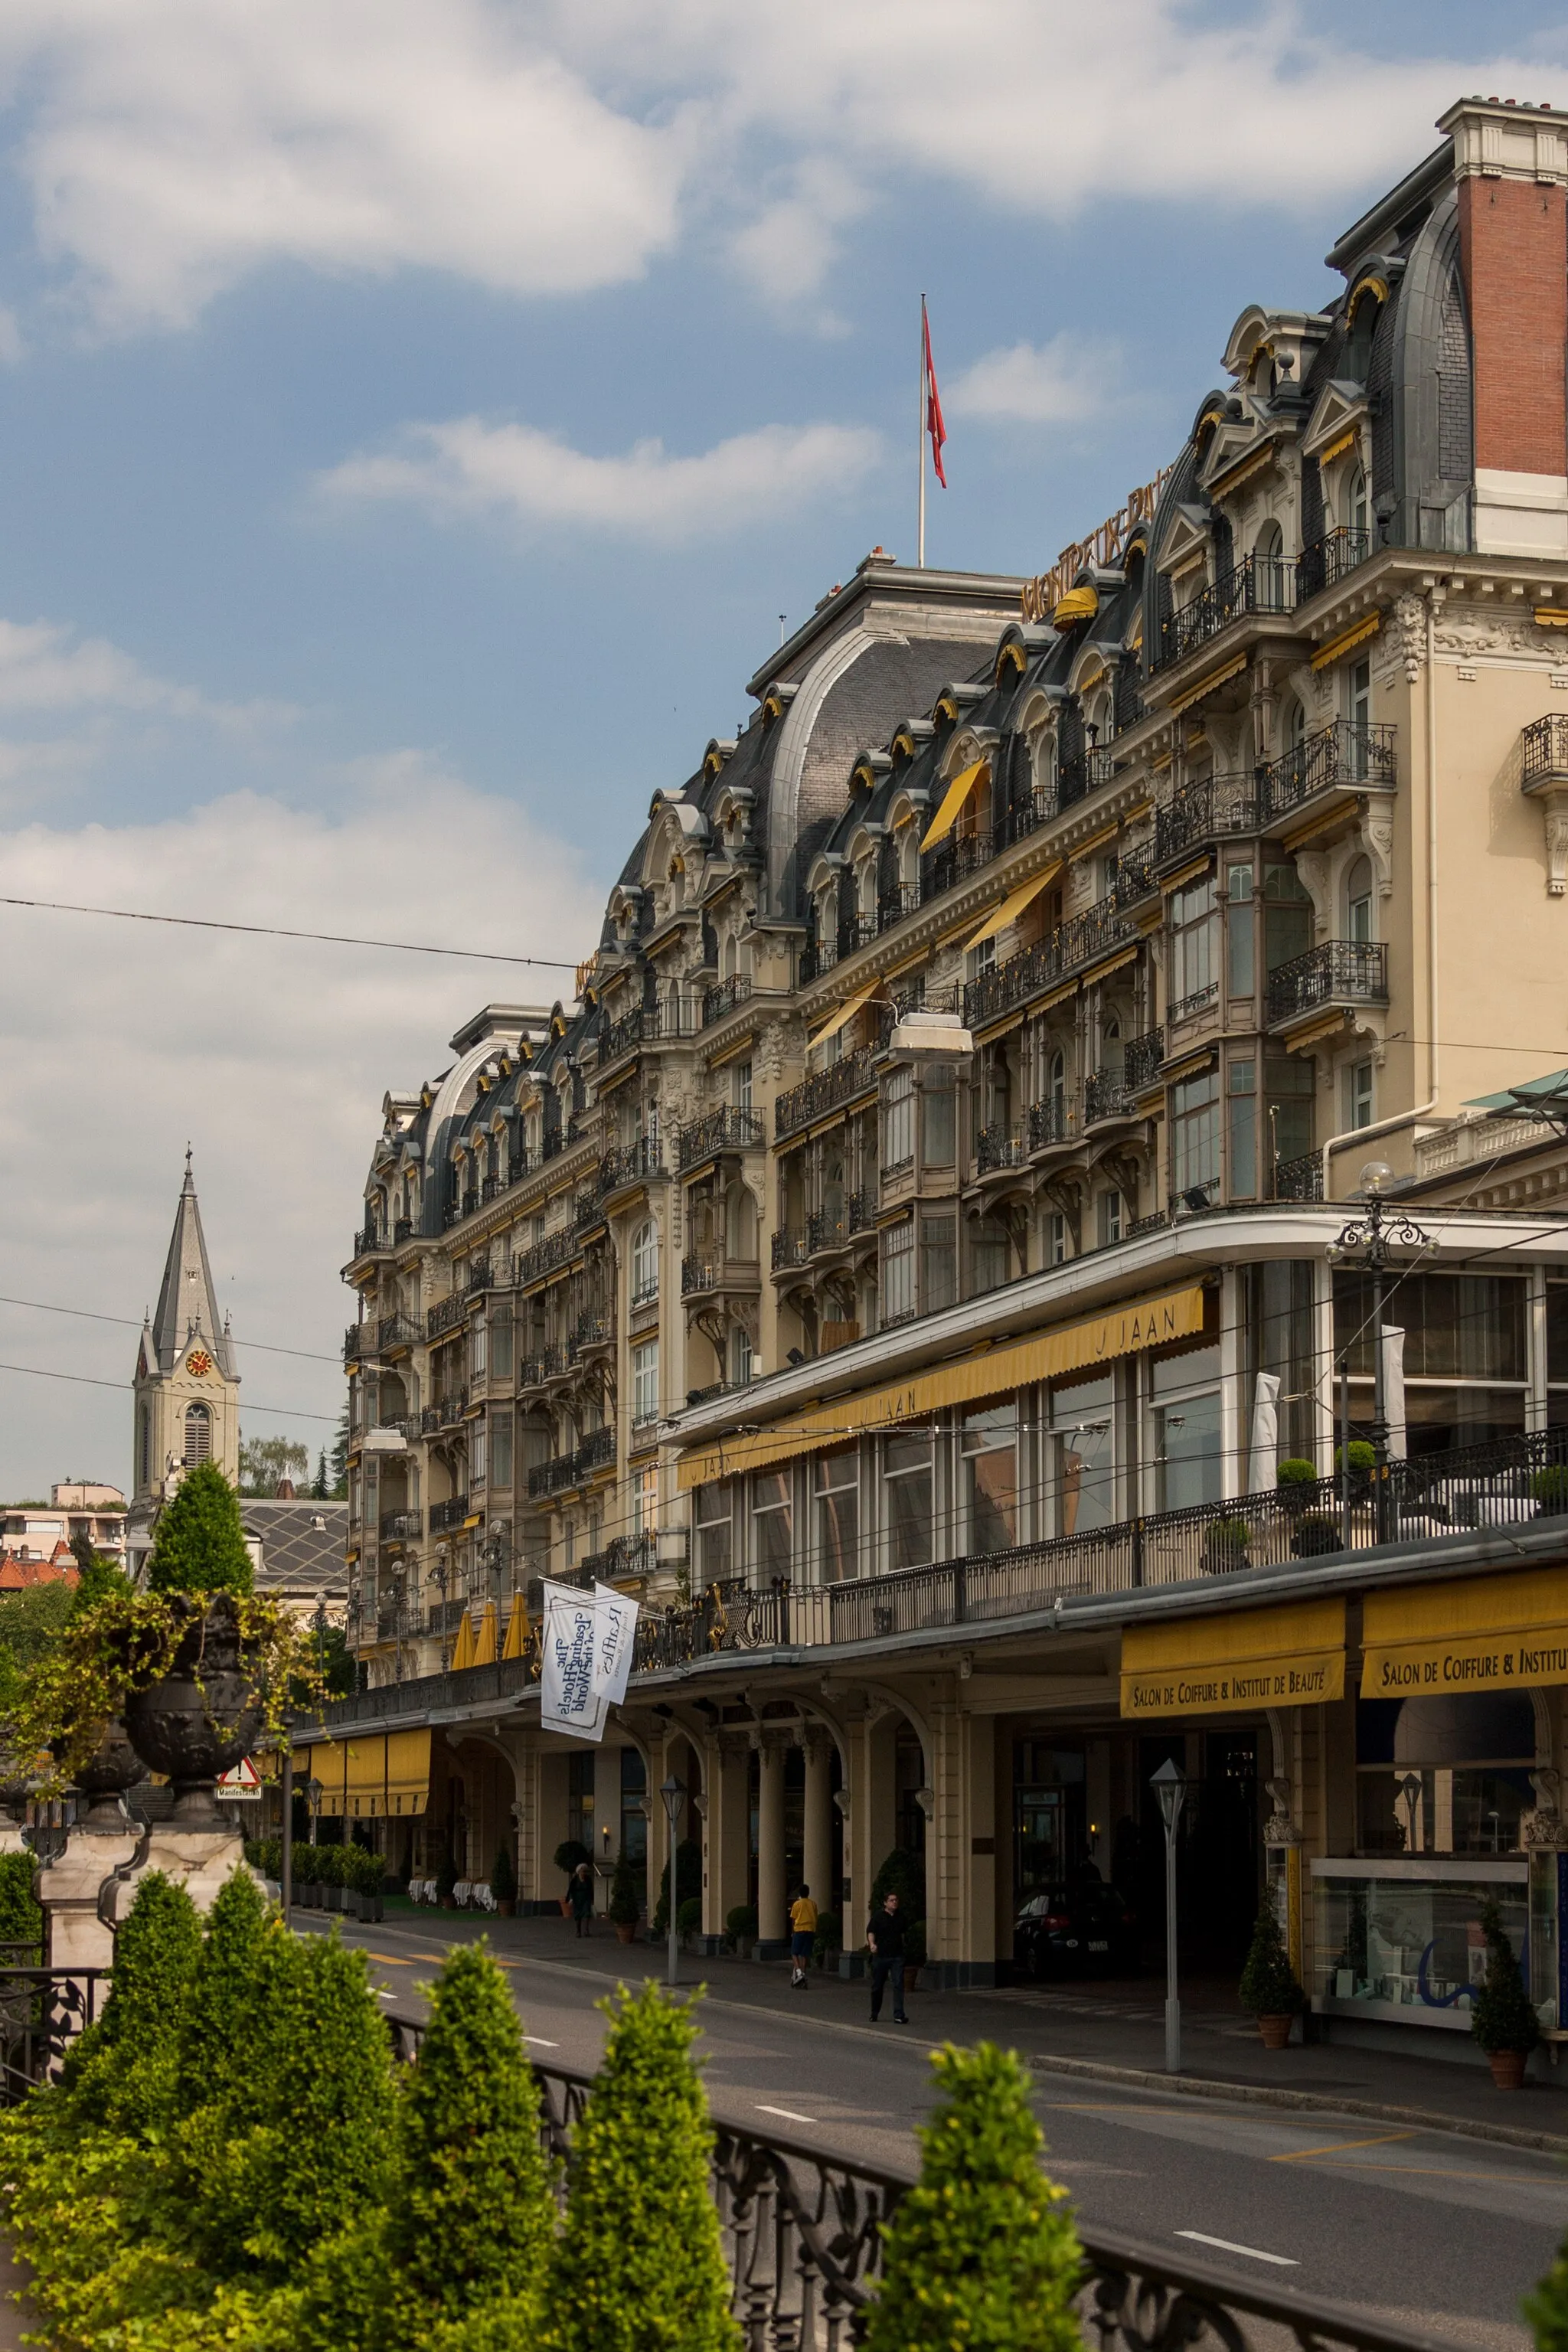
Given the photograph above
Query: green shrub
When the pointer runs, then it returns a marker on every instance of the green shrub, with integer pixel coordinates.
(266, 1854)
(123, 2070)
(569, 1853)
(223, 1992)
(639, 2266)
(504, 1877)
(1363, 1459)
(625, 1909)
(1295, 1472)
(903, 1874)
(982, 2254)
(1503, 2016)
(1550, 1487)
(742, 1921)
(830, 1937)
(1226, 1540)
(307, 1863)
(362, 1869)
(198, 1545)
(1269, 1985)
(689, 1918)
(21, 1917)
(915, 1944)
(688, 1883)
(471, 2217)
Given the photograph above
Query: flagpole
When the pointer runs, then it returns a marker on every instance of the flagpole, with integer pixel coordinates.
(921, 441)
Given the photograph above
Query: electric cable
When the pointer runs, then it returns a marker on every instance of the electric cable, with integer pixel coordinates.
(276, 931)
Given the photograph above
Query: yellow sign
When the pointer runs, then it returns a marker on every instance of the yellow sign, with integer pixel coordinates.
(1481, 1633)
(1236, 1663)
(1072, 1347)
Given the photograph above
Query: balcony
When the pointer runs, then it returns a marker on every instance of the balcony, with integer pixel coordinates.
(368, 1240)
(564, 1470)
(1073, 944)
(1135, 878)
(1143, 1058)
(895, 903)
(826, 1229)
(720, 1131)
(402, 1527)
(1258, 584)
(999, 1146)
(1050, 1123)
(1544, 746)
(592, 1331)
(451, 1408)
(706, 1271)
(562, 1138)
(1083, 772)
(1337, 971)
(816, 957)
(1197, 1000)
(1106, 1095)
(789, 1249)
(1300, 1180)
(720, 1002)
(630, 1164)
(396, 1332)
(1330, 560)
(446, 1516)
(444, 1316)
(1039, 806)
(462, 1204)
(1203, 813)
(359, 1342)
(1340, 758)
(860, 1209)
(824, 1091)
(547, 1256)
(429, 1419)
(444, 1616)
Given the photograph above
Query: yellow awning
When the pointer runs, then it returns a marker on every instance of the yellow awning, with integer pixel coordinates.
(1249, 1658)
(463, 1652)
(485, 1642)
(1475, 1633)
(1013, 906)
(385, 1774)
(516, 1629)
(953, 800)
(1125, 1330)
(846, 1011)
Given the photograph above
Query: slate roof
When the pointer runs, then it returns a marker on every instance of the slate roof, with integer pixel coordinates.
(304, 1544)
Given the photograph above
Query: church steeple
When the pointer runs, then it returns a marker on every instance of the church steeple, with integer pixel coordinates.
(188, 1302)
(187, 1387)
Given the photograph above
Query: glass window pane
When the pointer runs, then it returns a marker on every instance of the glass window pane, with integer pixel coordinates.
(838, 1477)
(1194, 1368)
(992, 1498)
(1187, 1452)
(908, 1501)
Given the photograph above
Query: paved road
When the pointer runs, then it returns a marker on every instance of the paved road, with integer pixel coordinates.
(1431, 2229)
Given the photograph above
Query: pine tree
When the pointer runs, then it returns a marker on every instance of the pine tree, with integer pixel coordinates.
(1269, 1985)
(1502, 2015)
(124, 2068)
(471, 2219)
(982, 2255)
(340, 1458)
(639, 2266)
(199, 1544)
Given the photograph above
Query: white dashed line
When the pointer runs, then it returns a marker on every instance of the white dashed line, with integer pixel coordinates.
(540, 2042)
(1229, 2246)
(788, 2114)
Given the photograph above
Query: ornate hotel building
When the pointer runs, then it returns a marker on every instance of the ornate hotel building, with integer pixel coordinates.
(910, 1257)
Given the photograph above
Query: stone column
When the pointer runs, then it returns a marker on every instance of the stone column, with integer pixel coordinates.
(71, 1889)
(960, 1849)
(772, 1923)
(821, 1823)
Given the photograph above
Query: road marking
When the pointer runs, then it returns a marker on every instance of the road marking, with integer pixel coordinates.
(387, 1959)
(788, 2114)
(1229, 2246)
(1338, 2148)
(540, 2042)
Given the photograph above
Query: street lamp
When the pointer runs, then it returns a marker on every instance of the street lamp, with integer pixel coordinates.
(1364, 1247)
(674, 1795)
(1170, 1785)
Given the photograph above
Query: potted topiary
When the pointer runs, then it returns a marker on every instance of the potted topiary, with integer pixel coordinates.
(828, 1941)
(1550, 1488)
(503, 1883)
(625, 1909)
(1225, 1546)
(1268, 1983)
(446, 1882)
(741, 1929)
(1503, 2016)
(568, 1857)
(689, 1919)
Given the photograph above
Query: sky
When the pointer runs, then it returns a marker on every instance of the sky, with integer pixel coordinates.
(417, 418)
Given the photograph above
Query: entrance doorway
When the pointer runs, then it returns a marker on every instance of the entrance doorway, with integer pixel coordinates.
(1050, 1818)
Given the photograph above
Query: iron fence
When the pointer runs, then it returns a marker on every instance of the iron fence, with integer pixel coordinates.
(1349, 971)
(1544, 748)
(42, 2011)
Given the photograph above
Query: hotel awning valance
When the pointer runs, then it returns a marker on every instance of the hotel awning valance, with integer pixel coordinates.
(1069, 1347)
(1473, 1634)
(1013, 906)
(1234, 1663)
(384, 1774)
(850, 1006)
(953, 800)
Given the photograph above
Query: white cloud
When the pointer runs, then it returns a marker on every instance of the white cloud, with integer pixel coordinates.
(122, 1040)
(1064, 381)
(468, 466)
(45, 666)
(536, 147)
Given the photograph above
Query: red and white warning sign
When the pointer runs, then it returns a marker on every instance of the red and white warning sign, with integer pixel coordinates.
(241, 1781)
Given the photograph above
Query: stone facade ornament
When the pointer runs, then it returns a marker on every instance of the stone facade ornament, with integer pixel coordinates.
(1280, 1829)
(1544, 1830)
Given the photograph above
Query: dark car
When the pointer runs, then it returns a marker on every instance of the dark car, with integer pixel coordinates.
(1082, 1931)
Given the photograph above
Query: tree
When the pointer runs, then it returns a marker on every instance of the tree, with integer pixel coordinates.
(198, 1545)
(124, 2068)
(223, 1992)
(1269, 1985)
(625, 1909)
(687, 1885)
(264, 1460)
(32, 1620)
(1503, 2016)
(639, 2266)
(472, 2216)
(904, 1875)
(340, 1459)
(982, 2255)
(318, 1493)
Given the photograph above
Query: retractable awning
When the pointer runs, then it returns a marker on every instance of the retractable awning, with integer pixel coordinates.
(1474, 1634)
(381, 1776)
(952, 801)
(1237, 1663)
(850, 1006)
(1013, 906)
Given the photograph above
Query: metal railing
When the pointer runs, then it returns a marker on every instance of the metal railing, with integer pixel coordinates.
(1000, 1146)
(1106, 1094)
(900, 899)
(1187, 1008)
(447, 1515)
(1258, 584)
(396, 1332)
(1340, 757)
(1135, 878)
(1354, 970)
(826, 1229)
(707, 1270)
(42, 2011)
(1102, 928)
(1327, 561)
(401, 1526)
(1051, 1122)
(359, 1341)
(1301, 1178)
(444, 1316)
(369, 1238)
(727, 1129)
(547, 1256)
(1544, 748)
(1203, 812)
(631, 1163)
(789, 1247)
(1083, 772)
(860, 1209)
(824, 1091)
(1144, 1055)
(597, 1452)
(722, 999)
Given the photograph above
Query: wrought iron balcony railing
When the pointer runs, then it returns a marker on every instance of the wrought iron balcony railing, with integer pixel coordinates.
(546, 1256)
(1106, 1094)
(1075, 943)
(789, 1248)
(401, 1526)
(631, 1163)
(724, 999)
(1338, 757)
(860, 1209)
(450, 1514)
(1300, 1180)
(368, 1240)
(1353, 971)
(824, 1091)
(1050, 1122)
(359, 1341)
(445, 1314)
(1203, 812)
(563, 1471)
(727, 1129)
(1330, 560)
(1258, 584)
(826, 1229)
(396, 1332)
(903, 898)
(1001, 1146)
(1544, 748)
(1196, 1001)
(1144, 1055)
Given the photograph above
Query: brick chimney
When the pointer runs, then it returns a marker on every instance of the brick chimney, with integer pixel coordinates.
(1512, 166)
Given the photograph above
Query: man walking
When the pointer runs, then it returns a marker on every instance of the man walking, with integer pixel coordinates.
(885, 1935)
(802, 1936)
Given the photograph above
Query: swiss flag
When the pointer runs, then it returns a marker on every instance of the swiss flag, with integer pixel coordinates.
(934, 424)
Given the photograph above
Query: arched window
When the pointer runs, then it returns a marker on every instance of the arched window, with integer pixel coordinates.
(1059, 1084)
(1295, 722)
(1270, 540)
(1355, 501)
(1110, 1048)
(198, 1433)
(645, 1263)
(1358, 902)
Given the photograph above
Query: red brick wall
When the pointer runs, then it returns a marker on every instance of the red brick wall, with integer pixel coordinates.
(1514, 253)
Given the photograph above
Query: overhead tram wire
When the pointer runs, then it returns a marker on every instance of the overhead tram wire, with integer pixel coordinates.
(85, 1380)
(130, 1323)
(276, 931)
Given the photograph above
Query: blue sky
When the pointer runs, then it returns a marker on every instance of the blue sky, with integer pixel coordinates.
(417, 413)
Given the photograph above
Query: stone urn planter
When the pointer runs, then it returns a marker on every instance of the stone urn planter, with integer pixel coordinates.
(114, 1767)
(201, 1717)
(1508, 2068)
(1275, 2032)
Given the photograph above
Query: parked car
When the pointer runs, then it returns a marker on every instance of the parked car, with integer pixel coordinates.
(1087, 1929)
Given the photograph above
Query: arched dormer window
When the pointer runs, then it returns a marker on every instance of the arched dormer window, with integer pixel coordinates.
(1355, 512)
(198, 1434)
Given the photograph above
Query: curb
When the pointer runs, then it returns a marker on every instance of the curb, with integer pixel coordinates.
(1263, 2094)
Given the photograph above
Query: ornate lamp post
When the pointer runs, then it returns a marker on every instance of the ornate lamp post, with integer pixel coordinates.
(1363, 1246)
(673, 1791)
(1170, 1785)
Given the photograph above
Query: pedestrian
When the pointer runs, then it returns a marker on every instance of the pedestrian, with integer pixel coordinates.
(580, 1895)
(802, 1936)
(885, 1935)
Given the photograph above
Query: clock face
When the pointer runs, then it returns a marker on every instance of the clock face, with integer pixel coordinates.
(199, 1363)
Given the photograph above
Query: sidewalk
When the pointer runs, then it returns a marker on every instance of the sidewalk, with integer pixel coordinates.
(1113, 2034)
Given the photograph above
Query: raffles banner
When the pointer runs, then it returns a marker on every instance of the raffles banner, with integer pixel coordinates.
(1477, 1633)
(1236, 1663)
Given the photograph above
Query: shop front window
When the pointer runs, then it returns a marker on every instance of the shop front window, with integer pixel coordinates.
(988, 1450)
(1443, 1774)
(836, 1479)
(1083, 1425)
(1412, 1949)
(1187, 1430)
(907, 1500)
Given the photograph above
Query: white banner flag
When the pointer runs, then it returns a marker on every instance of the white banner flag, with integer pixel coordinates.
(568, 1699)
(617, 1640)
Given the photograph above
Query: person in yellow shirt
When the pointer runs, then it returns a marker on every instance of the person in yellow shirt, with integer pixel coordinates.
(802, 1936)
